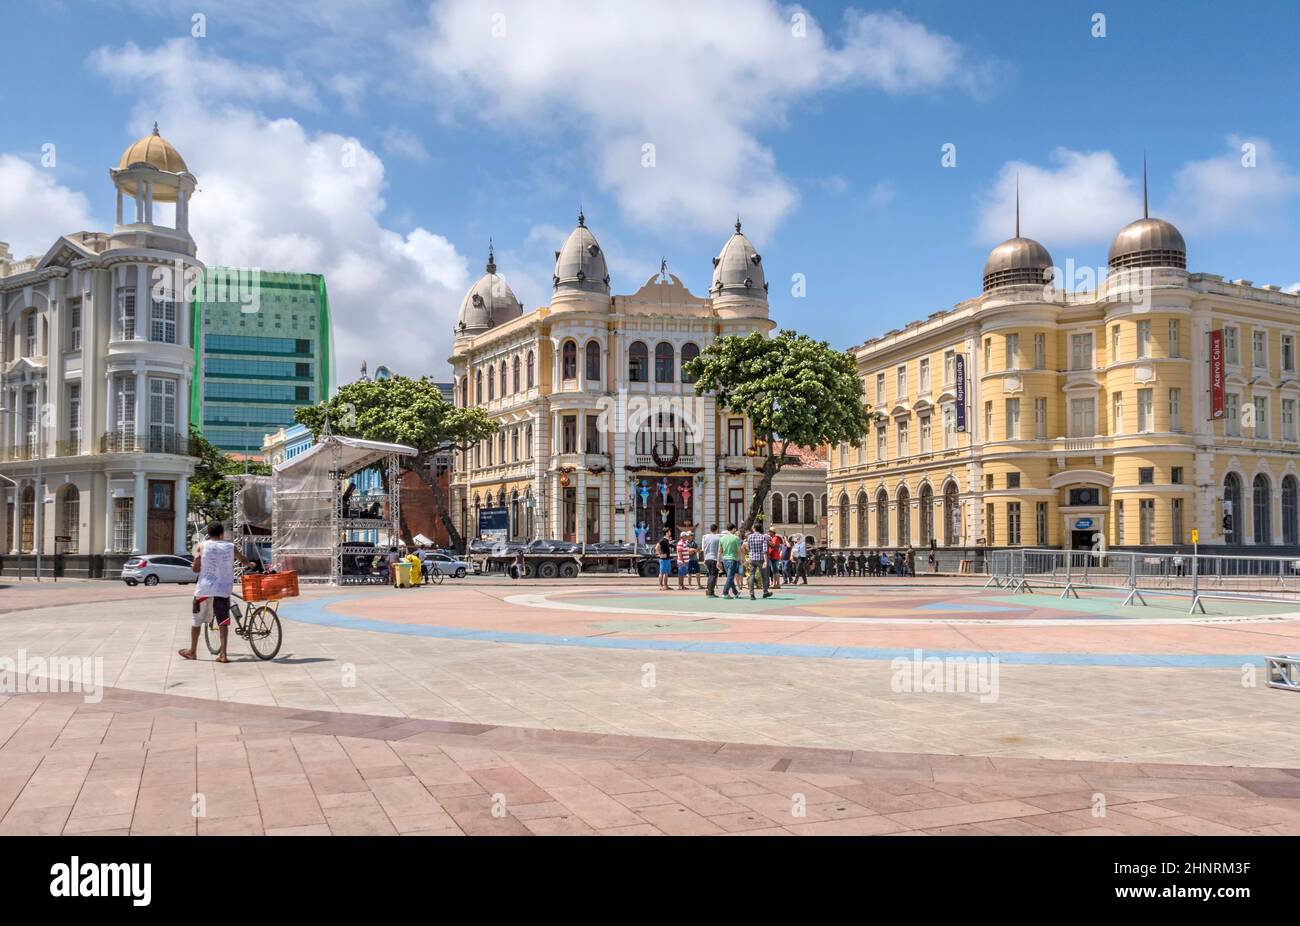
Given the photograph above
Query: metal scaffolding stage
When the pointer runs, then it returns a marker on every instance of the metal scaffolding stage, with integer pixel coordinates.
(337, 507)
(250, 516)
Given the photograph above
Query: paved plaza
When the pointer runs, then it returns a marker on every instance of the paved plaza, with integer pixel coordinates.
(605, 706)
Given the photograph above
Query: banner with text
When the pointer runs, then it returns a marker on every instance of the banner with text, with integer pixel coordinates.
(959, 373)
(1216, 374)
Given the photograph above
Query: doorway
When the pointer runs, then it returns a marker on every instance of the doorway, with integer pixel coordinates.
(1081, 540)
(162, 516)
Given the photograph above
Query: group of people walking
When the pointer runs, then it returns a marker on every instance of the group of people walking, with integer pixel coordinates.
(759, 559)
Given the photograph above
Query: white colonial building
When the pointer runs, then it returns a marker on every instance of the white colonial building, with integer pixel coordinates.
(95, 365)
(570, 384)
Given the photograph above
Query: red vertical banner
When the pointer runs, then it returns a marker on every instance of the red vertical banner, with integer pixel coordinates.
(1216, 375)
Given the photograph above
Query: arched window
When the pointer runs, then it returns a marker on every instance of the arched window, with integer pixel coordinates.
(1262, 498)
(864, 520)
(882, 519)
(904, 516)
(1290, 510)
(951, 515)
(809, 512)
(663, 362)
(825, 507)
(478, 387)
(502, 374)
(70, 519)
(464, 391)
(528, 442)
(792, 509)
(491, 383)
(1231, 508)
(844, 520)
(528, 363)
(593, 362)
(515, 371)
(569, 360)
(638, 363)
(777, 513)
(690, 352)
(927, 514)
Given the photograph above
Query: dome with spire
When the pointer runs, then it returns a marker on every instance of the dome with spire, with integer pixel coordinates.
(158, 153)
(1017, 261)
(580, 263)
(1147, 242)
(738, 269)
(489, 302)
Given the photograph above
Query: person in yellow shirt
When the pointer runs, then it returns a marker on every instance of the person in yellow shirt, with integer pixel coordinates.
(417, 574)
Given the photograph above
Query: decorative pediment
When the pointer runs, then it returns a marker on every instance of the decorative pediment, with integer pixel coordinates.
(64, 252)
(1081, 477)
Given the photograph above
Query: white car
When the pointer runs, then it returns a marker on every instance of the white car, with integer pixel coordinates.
(158, 567)
(444, 564)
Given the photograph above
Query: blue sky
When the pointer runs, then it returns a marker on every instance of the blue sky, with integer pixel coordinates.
(382, 143)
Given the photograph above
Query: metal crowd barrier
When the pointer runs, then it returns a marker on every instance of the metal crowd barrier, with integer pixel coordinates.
(1198, 576)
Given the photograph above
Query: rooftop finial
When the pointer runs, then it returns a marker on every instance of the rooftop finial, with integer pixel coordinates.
(737, 223)
(1017, 204)
(492, 260)
(1146, 212)
(582, 219)
(155, 127)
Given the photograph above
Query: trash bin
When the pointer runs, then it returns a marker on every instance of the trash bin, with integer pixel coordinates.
(402, 572)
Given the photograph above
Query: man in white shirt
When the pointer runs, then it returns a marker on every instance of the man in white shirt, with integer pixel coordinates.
(710, 552)
(214, 561)
(800, 554)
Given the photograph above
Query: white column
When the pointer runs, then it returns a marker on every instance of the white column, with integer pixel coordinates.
(148, 202)
(141, 401)
(38, 516)
(140, 512)
(119, 206)
(15, 539)
(180, 531)
(108, 515)
(40, 421)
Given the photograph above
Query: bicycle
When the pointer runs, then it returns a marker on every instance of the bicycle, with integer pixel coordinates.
(261, 627)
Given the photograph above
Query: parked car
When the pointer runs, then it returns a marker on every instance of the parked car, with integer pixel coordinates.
(158, 567)
(444, 564)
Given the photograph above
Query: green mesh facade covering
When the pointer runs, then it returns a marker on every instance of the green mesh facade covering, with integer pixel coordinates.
(263, 347)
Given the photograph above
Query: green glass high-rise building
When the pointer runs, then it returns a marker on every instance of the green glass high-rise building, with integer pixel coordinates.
(263, 347)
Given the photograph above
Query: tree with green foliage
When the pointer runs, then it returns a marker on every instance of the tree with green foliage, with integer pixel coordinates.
(407, 411)
(211, 493)
(795, 391)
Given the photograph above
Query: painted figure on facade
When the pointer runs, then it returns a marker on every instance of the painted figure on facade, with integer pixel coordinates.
(643, 489)
(663, 490)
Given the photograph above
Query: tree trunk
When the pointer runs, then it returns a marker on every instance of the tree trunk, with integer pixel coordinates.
(770, 468)
(440, 506)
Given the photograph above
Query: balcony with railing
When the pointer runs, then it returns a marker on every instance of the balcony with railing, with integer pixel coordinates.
(164, 440)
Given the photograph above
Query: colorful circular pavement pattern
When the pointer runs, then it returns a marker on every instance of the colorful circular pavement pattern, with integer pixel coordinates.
(833, 622)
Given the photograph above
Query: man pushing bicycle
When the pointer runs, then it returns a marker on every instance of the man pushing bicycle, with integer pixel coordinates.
(214, 561)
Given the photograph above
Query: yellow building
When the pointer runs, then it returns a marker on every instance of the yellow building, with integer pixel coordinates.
(602, 437)
(1089, 417)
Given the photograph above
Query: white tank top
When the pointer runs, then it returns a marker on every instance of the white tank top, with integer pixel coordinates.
(216, 569)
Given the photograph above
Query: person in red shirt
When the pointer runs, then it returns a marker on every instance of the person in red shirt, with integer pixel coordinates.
(774, 558)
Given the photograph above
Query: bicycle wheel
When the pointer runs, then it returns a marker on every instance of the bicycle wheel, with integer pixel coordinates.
(436, 576)
(212, 637)
(264, 634)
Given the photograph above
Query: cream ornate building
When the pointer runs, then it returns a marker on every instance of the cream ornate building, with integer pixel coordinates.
(602, 438)
(95, 368)
(1088, 416)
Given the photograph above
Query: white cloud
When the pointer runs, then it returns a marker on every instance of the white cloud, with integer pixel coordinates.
(180, 69)
(399, 141)
(35, 210)
(1222, 193)
(276, 196)
(697, 81)
(1082, 197)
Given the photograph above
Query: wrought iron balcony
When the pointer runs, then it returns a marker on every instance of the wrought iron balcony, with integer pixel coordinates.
(167, 440)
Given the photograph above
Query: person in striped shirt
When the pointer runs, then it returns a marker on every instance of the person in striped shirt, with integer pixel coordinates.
(683, 558)
(757, 544)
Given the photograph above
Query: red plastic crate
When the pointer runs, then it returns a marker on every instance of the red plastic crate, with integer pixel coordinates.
(263, 586)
